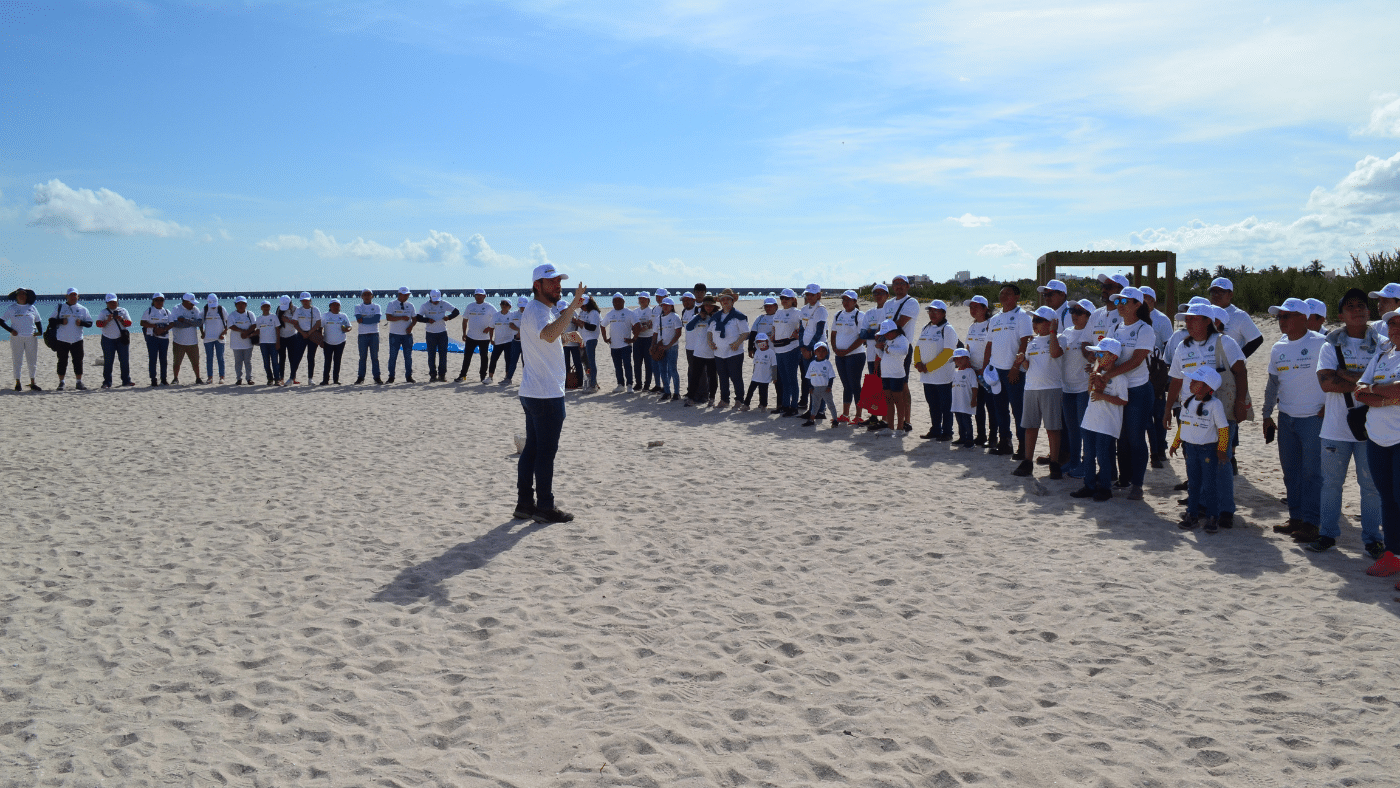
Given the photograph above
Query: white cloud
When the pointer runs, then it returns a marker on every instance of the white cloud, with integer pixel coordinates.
(673, 267)
(1373, 187)
(104, 212)
(968, 220)
(1385, 117)
(1008, 249)
(439, 247)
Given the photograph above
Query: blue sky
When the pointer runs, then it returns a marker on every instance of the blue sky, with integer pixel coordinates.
(271, 145)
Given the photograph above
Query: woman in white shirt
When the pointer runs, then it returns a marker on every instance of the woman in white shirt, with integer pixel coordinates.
(213, 329)
(588, 322)
(155, 323)
(335, 325)
(933, 360)
(978, 335)
(849, 351)
(1138, 339)
(22, 320)
(505, 340)
(242, 327)
(270, 328)
(1379, 388)
(668, 337)
(116, 341)
(728, 331)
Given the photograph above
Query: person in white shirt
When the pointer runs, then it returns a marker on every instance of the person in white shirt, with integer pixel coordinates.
(1294, 386)
(1044, 403)
(243, 329)
(184, 334)
(976, 341)
(1387, 300)
(966, 393)
(72, 318)
(505, 341)
(286, 333)
(765, 362)
(1205, 433)
(821, 374)
(892, 347)
(813, 317)
(1055, 295)
(729, 330)
(155, 325)
(1008, 334)
(306, 322)
(434, 313)
(400, 315)
(706, 379)
(619, 329)
(22, 320)
(691, 340)
(116, 341)
(787, 339)
(848, 350)
(643, 366)
(1158, 364)
(542, 384)
(933, 356)
(1239, 327)
(212, 331)
(1345, 355)
(1075, 385)
(1317, 315)
(669, 330)
(1138, 339)
(476, 333)
(1103, 420)
(368, 316)
(335, 327)
(269, 343)
(1379, 390)
(1104, 321)
(903, 309)
(588, 323)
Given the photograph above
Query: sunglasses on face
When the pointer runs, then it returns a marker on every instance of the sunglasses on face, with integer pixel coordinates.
(1120, 300)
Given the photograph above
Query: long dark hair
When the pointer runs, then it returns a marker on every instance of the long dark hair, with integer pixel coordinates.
(1211, 331)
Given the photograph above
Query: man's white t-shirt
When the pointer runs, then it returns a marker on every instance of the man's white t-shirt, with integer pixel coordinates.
(1300, 394)
(1005, 333)
(933, 340)
(1383, 424)
(334, 327)
(619, 324)
(397, 308)
(1241, 326)
(240, 321)
(646, 317)
(1103, 322)
(908, 306)
(111, 330)
(1334, 419)
(1045, 372)
(543, 374)
(1134, 337)
(368, 310)
(437, 311)
(478, 318)
(189, 335)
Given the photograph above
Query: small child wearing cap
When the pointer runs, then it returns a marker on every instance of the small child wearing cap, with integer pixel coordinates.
(764, 361)
(892, 348)
(820, 373)
(965, 388)
(1204, 430)
(1103, 421)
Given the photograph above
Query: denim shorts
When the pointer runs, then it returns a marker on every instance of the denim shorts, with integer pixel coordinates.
(893, 384)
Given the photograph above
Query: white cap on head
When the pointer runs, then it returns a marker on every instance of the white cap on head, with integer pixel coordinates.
(155, 296)
(335, 301)
(1198, 310)
(434, 295)
(587, 298)
(267, 303)
(762, 337)
(644, 294)
(1220, 314)
(687, 295)
(900, 278)
(1052, 286)
(1385, 318)
(305, 296)
(770, 301)
(366, 290)
(521, 302)
(1222, 283)
(1290, 305)
(405, 291)
(961, 353)
(820, 346)
(70, 291)
(110, 297)
(1181, 308)
(1119, 279)
(1131, 292)
(212, 299)
(1148, 292)
(241, 300)
(1391, 290)
(881, 286)
(993, 379)
(1045, 313)
(188, 297)
(662, 292)
(813, 289)
(478, 291)
(937, 303)
(617, 296)
(668, 301)
(1108, 345)
(787, 293)
(1085, 304)
(851, 294)
(1316, 307)
(886, 326)
(1206, 374)
(284, 300)
(977, 299)
(546, 271)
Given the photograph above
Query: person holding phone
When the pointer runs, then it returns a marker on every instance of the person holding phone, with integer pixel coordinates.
(116, 341)
(72, 318)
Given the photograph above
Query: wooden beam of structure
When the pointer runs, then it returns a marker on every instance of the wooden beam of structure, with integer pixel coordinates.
(1050, 262)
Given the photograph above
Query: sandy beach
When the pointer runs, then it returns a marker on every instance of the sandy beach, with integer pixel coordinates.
(215, 586)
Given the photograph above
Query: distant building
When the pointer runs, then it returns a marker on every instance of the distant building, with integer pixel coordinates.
(919, 279)
(962, 276)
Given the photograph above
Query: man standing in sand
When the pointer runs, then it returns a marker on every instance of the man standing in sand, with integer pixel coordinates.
(477, 319)
(184, 334)
(400, 314)
(542, 383)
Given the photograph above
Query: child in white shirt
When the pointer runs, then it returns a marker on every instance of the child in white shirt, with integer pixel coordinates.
(1103, 421)
(1203, 429)
(965, 388)
(765, 359)
(820, 373)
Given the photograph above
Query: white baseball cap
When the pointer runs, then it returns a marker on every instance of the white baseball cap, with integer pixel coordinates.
(241, 300)
(546, 271)
(619, 295)
(335, 301)
(762, 337)
(1391, 290)
(1220, 314)
(1108, 345)
(1385, 318)
(937, 304)
(522, 302)
(405, 291)
(1206, 374)
(1131, 292)
(478, 291)
(644, 294)
(886, 326)
(188, 297)
(1045, 313)
(1119, 279)
(434, 295)
(1198, 310)
(668, 301)
(769, 301)
(851, 294)
(900, 278)
(881, 286)
(284, 300)
(1222, 283)
(1148, 291)
(814, 289)
(213, 299)
(820, 345)
(305, 296)
(787, 293)
(993, 379)
(155, 296)
(1316, 307)
(110, 297)
(961, 353)
(662, 292)
(70, 291)
(979, 300)
(366, 290)
(687, 294)
(1290, 305)
(1180, 308)
(1084, 304)
(1052, 286)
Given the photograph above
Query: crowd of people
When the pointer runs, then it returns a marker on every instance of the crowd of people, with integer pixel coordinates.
(1104, 382)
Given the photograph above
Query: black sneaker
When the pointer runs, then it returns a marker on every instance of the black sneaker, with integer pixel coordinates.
(907, 427)
(391, 379)
(809, 423)
(1209, 525)
(1320, 545)
(379, 382)
(1226, 520)
(554, 515)
(524, 511)
(409, 379)
(1083, 492)
(980, 440)
(1188, 521)
(929, 435)
(1102, 495)
(358, 381)
(1375, 549)
(1055, 472)
(1183, 487)
(1024, 469)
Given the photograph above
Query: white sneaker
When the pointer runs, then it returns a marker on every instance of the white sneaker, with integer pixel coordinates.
(490, 379)
(619, 389)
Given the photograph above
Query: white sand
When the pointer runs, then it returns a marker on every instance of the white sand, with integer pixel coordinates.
(208, 586)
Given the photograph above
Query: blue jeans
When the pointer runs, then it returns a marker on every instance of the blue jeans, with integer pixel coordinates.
(642, 362)
(622, 365)
(731, 375)
(573, 361)
(112, 348)
(590, 356)
(212, 349)
(544, 421)
(940, 408)
(156, 348)
(296, 348)
(964, 427)
(667, 373)
(1385, 470)
(1005, 407)
(806, 390)
(369, 351)
(1133, 441)
(1336, 456)
(1156, 433)
(1099, 458)
(272, 363)
(511, 350)
(1300, 454)
(788, 388)
(437, 353)
(1201, 476)
(1225, 475)
(850, 368)
(1073, 442)
(398, 342)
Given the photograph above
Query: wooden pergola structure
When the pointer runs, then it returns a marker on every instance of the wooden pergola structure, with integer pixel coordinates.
(1050, 262)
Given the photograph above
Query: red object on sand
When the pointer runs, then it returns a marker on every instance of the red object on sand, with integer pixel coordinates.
(872, 395)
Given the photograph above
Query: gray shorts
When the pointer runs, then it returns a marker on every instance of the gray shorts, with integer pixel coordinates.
(1043, 407)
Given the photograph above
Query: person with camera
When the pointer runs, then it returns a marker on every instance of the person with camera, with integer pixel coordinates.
(185, 335)
(155, 327)
(22, 320)
(71, 318)
(116, 341)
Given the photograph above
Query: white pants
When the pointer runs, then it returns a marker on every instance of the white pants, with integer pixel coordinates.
(21, 347)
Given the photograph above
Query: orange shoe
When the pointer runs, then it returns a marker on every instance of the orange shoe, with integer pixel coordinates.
(1388, 565)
